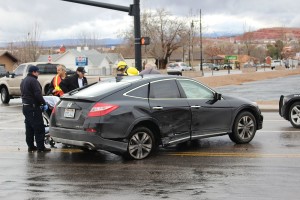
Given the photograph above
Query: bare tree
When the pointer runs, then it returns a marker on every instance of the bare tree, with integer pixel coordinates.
(211, 51)
(29, 48)
(167, 34)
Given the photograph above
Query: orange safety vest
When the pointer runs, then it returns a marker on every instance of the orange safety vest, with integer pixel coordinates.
(56, 83)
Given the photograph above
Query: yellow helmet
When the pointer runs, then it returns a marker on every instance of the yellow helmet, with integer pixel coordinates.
(121, 65)
(131, 71)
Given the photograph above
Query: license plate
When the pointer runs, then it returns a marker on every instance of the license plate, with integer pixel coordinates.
(69, 113)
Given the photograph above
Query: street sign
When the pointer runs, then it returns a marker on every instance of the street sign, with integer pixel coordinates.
(231, 57)
(81, 61)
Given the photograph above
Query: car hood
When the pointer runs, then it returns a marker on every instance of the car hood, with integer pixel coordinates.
(239, 100)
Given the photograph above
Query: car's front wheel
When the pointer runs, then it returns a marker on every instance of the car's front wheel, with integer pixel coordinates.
(294, 114)
(244, 128)
(4, 95)
(141, 143)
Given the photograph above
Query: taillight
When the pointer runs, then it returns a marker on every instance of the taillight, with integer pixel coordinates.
(101, 109)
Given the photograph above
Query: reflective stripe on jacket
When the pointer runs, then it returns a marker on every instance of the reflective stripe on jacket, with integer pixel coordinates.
(56, 83)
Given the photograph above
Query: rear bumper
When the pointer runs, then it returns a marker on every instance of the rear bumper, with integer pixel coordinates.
(82, 138)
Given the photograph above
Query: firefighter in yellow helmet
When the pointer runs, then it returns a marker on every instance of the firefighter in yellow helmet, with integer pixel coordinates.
(124, 70)
(121, 66)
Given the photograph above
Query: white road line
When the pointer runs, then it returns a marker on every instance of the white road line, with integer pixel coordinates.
(268, 131)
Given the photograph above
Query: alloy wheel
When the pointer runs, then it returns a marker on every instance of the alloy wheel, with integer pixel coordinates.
(245, 127)
(140, 145)
(295, 114)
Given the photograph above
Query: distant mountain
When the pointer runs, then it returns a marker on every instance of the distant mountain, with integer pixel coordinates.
(219, 34)
(74, 42)
(276, 33)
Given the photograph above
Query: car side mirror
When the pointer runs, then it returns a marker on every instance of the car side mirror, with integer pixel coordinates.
(12, 75)
(217, 96)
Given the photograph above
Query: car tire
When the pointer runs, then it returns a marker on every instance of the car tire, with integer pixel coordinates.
(294, 114)
(4, 95)
(141, 143)
(244, 128)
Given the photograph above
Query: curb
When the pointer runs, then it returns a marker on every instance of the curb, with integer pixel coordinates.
(268, 108)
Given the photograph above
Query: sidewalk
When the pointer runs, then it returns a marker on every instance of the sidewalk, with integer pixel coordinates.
(268, 107)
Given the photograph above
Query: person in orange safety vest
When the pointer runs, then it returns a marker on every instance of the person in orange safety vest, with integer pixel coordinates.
(54, 88)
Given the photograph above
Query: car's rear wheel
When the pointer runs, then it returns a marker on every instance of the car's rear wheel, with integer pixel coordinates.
(4, 95)
(141, 143)
(244, 128)
(294, 114)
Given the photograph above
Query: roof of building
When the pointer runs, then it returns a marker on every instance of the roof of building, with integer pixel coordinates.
(13, 58)
(94, 56)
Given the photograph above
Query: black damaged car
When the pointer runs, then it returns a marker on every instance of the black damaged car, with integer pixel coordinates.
(289, 109)
(136, 115)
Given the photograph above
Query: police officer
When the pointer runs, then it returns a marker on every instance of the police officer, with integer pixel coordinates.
(33, 105)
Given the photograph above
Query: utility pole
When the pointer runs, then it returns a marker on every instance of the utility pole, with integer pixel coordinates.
(201, 61)
(192, 41)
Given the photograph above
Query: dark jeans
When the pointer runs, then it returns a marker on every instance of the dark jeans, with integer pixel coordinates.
(34, 125)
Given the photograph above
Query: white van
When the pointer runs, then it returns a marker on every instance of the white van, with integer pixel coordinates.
(275, 63)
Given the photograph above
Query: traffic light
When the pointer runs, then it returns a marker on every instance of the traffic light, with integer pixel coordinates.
(145, 40)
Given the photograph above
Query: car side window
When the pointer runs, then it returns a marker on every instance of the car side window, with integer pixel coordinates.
(140, 92)
(194, 90)
(20, 70)
(164, 89)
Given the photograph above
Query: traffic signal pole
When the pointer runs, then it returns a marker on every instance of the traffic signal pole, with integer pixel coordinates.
(133, 10)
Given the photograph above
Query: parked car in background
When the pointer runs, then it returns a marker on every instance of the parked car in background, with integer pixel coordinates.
(211, 66)
(2, 71)
(275, 63)
(248, 65)
(173, 69)
(176, 68)
(289, 109)
(10, 84)
(227, 66)
(136, 115)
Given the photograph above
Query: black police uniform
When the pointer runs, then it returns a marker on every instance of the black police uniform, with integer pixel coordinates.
(32, 100)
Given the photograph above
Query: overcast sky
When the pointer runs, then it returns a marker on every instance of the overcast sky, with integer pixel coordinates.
(60, 20)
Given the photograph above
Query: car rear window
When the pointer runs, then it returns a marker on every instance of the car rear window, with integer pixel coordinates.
(47, 68)
(100, 89)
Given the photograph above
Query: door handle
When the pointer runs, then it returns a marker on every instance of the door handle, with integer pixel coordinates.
(157, 108)
(196, 106)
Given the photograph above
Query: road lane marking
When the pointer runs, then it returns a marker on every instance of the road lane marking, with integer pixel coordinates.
(243, 155)
(181, 154)
(282, 131)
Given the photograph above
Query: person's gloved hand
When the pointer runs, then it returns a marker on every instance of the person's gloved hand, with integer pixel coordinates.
(45, 107)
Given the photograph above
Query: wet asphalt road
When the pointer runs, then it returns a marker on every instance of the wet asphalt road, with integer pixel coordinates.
(269, 89)
(214, 168)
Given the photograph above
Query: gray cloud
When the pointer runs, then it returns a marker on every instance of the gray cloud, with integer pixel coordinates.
(60, 19)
